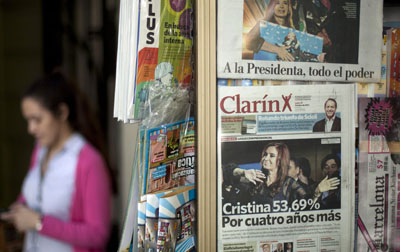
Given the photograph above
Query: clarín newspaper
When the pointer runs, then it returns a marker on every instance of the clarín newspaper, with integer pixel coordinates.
(286, 168)
(379, 175)
(337, 40)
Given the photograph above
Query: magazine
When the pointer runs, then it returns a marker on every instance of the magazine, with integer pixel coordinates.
(174, 229)
(285, 167)
(379, 175)
(164, 55)
(170, 156)
(151, 225)
(186, 214)
(300, 40)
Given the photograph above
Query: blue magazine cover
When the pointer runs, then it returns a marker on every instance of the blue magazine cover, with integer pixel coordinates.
(170, 156)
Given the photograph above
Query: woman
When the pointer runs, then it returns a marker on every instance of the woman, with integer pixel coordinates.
(277, 12)
(272, 182)
(65, 199)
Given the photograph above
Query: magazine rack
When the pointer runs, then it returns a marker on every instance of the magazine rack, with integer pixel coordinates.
(207, 125)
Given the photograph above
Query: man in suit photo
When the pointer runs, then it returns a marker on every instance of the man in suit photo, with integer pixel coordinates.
(331, 122)
(279, 248)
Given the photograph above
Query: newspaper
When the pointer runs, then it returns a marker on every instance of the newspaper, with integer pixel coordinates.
(285, 177)
(300, 40)
(379, 175)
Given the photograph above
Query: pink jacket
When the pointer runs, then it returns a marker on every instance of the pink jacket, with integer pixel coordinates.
(88, 230)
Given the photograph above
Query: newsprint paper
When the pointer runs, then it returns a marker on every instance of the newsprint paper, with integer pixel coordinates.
(335, 40)
(379, 175)
(286, 168)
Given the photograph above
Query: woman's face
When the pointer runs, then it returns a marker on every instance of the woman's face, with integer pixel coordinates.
(42, 124)
(270, 158)
(281, 9)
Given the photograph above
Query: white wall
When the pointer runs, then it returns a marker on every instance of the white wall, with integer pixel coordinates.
(125, 148)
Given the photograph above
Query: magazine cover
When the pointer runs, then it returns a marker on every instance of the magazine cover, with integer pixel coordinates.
(285, 168)
(300, 40)
(167, 234)
(379, 175)
(186, 240)
(170, 156)
(164, 48)
(151, 225)
(171, 221)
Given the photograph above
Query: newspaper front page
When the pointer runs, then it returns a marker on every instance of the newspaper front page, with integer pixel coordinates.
(315, 40)
(286, 168)
(379, 175)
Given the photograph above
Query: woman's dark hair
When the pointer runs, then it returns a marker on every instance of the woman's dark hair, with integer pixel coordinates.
(55, 89)
(283, 160)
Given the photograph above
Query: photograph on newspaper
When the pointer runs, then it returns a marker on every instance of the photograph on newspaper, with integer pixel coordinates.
(379, 175)
(293, 39)
(285, 186)
(302, 167)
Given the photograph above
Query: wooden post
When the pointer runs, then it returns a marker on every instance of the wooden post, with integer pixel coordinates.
(205, 71)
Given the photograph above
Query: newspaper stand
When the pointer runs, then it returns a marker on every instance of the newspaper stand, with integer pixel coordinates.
(208, 122)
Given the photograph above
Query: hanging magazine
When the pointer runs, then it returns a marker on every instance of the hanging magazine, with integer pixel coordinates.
(164, 58)
(170, 156)
(315, 40)
(286, 168)
(379, 175)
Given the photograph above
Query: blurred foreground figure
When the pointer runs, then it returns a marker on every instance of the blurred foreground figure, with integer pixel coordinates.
(65, 200)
